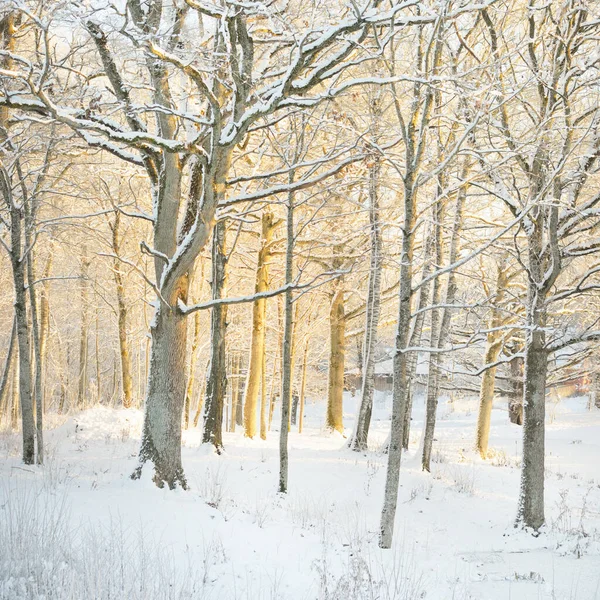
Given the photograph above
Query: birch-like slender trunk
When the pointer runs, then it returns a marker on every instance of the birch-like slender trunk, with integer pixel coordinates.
(359, 439)
(416, 334)
(433, 377)
(303, 387)
(216, 382)
(14, 393)
(257, 344)
(35, 335)
(264, 397)
(45, 324)
(286, 374)
(235, 389)
(400, 366)
(23, 336)
(239, 409)
(125, 357)
(278, 362)
(83, 329)
(5, 407)
(19, 261)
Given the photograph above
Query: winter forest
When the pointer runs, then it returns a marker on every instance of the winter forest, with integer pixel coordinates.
(300, 299)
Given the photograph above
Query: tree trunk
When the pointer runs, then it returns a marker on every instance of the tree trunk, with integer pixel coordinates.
(5, 407)
(14, 392)
(416, 333)
(335, 387)
(126, 377)
(257, 344)
(400, 365)
(278, 362)
(161, 435)
(359, 438)
(45, 324)
(303, 387)
(235, 389)
(264, 397)
(433, 377)
(25, 378)
(531, 498)
(216, 383)
(18, 264)
(515, 403)
(83, 336)
(486, 393)
(35, 334)
(191, 371)
(286, 376)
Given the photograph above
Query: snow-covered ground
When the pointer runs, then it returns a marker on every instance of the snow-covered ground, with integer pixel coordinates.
(80, 528)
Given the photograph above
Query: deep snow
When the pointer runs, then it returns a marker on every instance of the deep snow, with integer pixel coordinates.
(232, 536)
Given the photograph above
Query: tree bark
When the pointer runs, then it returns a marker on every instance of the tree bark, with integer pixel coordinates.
(5, 407)
(400, 366)
(257, 344)
(531, 499)
(335, 386)
(492, 352)
(286, 376)
(515, 403)
(23, 337)
(486, 394)
(216, 383)
(359, 439)
(35, 335)
(161, 435)
(191, 371)
(125, 357)
(45, 321)
(433, 377)
(303, 387)
(83, 335)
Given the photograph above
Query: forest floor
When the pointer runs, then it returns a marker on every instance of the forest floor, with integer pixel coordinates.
(80, 528)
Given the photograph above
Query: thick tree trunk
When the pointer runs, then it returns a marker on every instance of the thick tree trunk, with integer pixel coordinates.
(531, 498)
(359, 439)
(216, 383)
(335, 386)
(161, 436)
(257, 344)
